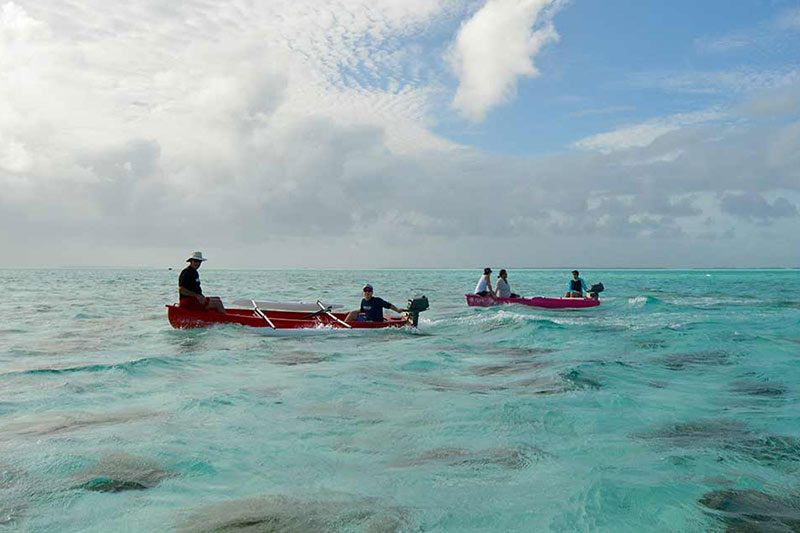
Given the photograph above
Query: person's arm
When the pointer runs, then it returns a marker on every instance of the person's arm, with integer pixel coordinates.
(186, 292)
(583, 284)
(387, 305)
(489, 286)
(183, 291)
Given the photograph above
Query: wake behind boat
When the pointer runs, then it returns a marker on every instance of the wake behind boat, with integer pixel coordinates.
(476, 300)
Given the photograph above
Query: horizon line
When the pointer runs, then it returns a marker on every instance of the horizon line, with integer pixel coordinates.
(149, 267)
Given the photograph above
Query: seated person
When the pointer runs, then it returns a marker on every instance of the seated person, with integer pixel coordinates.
(484, 286)
(503, 288)
(371, 309)
(576, 286)
(190, 295)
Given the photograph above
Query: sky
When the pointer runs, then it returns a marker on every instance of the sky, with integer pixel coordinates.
(387, 133)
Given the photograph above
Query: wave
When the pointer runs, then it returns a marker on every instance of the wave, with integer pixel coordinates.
(786, 304)
(502, 319)
(127, 366)
(705, 302)
(60, 423)
(645, 301)
(87, 316)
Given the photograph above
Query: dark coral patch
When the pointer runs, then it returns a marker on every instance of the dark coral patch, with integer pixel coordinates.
(121, 473)
(750, 510)
(579, 381)
(699, 433)
(104, 484)
(769, 449)
(282, 514)
(512, 458)
(511, 367)
(681, 361)
(759, 389)
(297, 358)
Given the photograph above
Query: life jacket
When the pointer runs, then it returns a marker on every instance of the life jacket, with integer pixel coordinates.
(576, 285)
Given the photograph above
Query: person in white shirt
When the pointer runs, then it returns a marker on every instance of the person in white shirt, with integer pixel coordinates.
(484, 287)
(503, 288)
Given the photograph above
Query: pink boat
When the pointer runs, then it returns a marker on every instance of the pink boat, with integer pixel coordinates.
(474, 300)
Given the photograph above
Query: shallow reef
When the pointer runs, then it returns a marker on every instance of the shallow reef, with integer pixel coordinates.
(751, 511)
(728, 436)
(122, 472)
(274, 514)
(513, 457)
(683, 361)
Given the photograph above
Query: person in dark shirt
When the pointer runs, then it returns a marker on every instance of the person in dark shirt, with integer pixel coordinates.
(371, 309)
(190, 294)
(576, 286)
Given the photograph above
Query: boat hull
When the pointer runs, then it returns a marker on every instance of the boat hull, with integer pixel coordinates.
(181, 318)
(474, 300)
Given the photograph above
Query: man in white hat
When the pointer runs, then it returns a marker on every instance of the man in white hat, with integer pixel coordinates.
(190, 295)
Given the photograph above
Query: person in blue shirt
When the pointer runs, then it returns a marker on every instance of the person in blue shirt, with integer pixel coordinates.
(371, 309)
(576, 286)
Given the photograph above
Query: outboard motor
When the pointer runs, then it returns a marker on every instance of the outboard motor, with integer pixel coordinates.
(415, 307)
(594, 290)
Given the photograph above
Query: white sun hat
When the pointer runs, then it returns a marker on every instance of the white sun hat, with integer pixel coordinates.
(198, 256)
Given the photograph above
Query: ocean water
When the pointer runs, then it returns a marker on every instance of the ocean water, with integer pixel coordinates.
(671, 407)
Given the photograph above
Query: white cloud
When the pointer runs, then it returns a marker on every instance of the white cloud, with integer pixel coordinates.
(496, 47)
(750, 205)
(641, 135)
(767, 36)
(15, 158)
(291, 132)
(741, 80)
(771, 104)
(16, 25)
(610, 110)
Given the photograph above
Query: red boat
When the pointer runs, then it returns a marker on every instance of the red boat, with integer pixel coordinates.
(474, 300)
(282, 319)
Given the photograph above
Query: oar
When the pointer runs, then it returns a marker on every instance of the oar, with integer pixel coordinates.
(326, 310)
(317, 313)
(260, 313)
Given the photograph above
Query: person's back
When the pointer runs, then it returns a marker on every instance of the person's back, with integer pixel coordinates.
(484, 286)
(502, 288)
(189, 280)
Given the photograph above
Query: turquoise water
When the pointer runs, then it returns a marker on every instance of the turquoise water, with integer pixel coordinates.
(671, 407)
